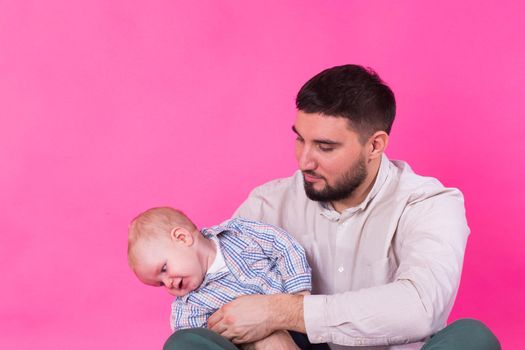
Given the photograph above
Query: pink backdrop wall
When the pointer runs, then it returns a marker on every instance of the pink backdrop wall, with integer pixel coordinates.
(110, 107)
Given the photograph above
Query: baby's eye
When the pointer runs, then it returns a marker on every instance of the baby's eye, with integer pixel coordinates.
(164, 268)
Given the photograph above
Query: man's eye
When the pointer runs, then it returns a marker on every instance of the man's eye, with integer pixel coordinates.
(324, 148)
(299, 139)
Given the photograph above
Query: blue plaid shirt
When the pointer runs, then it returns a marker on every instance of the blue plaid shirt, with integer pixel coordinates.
(261, 259)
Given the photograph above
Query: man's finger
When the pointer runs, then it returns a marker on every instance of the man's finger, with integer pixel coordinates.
(223, 332)
(214, 318)
(218, 328)
(215, 323)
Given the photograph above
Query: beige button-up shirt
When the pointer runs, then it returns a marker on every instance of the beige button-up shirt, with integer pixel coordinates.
(385, 273)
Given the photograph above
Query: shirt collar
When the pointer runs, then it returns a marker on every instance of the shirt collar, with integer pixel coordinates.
(330, 213)
(213, 231)
(210, 233)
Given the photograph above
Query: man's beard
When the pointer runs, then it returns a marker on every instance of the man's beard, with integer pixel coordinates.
(342, 189)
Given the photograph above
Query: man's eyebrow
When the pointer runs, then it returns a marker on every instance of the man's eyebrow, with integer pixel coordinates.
(321, 141)
(328, 142)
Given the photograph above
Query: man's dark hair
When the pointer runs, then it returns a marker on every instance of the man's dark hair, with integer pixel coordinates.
(352, 92)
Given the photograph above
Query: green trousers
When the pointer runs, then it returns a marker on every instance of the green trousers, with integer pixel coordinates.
(467, 334)
(464, 334)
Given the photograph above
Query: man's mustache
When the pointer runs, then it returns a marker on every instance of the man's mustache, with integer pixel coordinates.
(312, 173)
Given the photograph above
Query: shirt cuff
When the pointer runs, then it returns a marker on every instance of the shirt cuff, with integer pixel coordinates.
(298, 283)
(315, 318)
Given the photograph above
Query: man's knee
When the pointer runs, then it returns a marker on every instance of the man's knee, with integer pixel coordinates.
(479, 332)
(464, 334)
(197, 338)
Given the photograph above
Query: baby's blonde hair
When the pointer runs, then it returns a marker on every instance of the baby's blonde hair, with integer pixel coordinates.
(155, 223)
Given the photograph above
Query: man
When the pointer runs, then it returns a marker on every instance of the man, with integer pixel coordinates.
(386, 246)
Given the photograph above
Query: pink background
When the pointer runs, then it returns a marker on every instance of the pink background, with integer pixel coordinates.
(110, 107)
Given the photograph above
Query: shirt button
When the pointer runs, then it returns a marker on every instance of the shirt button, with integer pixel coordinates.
(341, 269)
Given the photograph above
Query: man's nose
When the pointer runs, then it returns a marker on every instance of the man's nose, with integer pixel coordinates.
(306, 160)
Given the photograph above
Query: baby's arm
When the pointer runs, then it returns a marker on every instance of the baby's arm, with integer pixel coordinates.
(188, 315)
(280, 246)
(291, 262)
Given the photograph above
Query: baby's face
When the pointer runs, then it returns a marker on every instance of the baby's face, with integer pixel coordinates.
(169, 263)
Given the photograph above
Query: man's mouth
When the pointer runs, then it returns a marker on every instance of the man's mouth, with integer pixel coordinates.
(311, 177)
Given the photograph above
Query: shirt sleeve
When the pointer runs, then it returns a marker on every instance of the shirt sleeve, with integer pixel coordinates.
(186, 315)
(289, 257)
(429, 247)
(291, 262)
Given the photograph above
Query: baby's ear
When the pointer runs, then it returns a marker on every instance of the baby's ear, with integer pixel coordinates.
(181, 235)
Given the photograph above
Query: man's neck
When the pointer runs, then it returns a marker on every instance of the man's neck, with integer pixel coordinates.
(361, 192)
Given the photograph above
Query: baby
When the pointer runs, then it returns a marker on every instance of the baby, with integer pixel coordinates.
(206, 269)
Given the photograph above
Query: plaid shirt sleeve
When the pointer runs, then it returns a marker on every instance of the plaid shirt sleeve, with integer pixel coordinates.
(186, 315)
(289, 256)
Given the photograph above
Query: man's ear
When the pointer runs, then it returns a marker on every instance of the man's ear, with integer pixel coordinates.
(181, 235)
(377, 144)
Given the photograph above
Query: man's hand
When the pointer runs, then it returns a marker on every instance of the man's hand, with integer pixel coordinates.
(253, 317)
(245, 319)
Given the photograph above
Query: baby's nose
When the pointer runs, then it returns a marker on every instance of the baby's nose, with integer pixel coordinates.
(168, 282)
